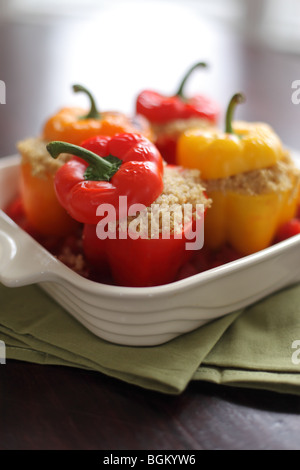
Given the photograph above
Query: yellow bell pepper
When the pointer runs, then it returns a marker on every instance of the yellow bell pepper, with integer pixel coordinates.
(247, 222)
(218, 154)
(232, 164)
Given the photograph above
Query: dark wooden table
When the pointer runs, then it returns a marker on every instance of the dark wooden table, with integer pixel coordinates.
(50, 407)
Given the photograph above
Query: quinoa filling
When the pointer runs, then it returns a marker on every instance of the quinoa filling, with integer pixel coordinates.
(282, 176)
(177, 126)
(33, 151)
(182, 200)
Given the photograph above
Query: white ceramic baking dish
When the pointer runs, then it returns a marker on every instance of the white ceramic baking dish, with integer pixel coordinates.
(140, 316)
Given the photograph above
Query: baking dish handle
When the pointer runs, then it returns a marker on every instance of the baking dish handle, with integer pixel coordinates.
(22, 260)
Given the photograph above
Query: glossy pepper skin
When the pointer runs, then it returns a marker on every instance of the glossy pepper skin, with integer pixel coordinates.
(242, 147)
(103, 169)
(161, 110)
(43, 211)
(134, 262)
(247, 222)
(137, 262)
(74, 124)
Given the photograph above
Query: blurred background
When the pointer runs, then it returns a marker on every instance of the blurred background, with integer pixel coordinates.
(117, 48)
(272, 22)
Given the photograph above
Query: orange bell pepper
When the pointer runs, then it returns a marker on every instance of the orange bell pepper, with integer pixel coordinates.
(43, 211)
(74, 124)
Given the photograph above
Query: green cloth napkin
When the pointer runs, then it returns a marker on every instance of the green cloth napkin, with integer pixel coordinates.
(249, 348)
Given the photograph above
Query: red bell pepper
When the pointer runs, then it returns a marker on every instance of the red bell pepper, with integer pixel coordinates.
(161, 110)
(125, 165)
(139, 262)
(107, 168)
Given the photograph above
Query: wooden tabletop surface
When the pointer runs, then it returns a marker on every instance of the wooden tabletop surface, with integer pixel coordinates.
(51, 407)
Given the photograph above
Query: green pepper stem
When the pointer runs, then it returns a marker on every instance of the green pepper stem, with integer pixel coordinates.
(100, 169)
(185, 78)
(93, 112)
(236, 99)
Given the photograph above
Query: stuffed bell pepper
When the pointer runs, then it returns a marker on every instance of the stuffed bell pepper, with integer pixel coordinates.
(250, 177)
(171, 115)
(71, 124)
(131, 205)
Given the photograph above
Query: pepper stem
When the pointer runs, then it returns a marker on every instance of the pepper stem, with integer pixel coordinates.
(93, 112)
(236, 99)
(187, 75)
(99, 169)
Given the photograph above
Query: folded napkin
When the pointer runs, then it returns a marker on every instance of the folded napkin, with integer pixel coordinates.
(254, 347)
